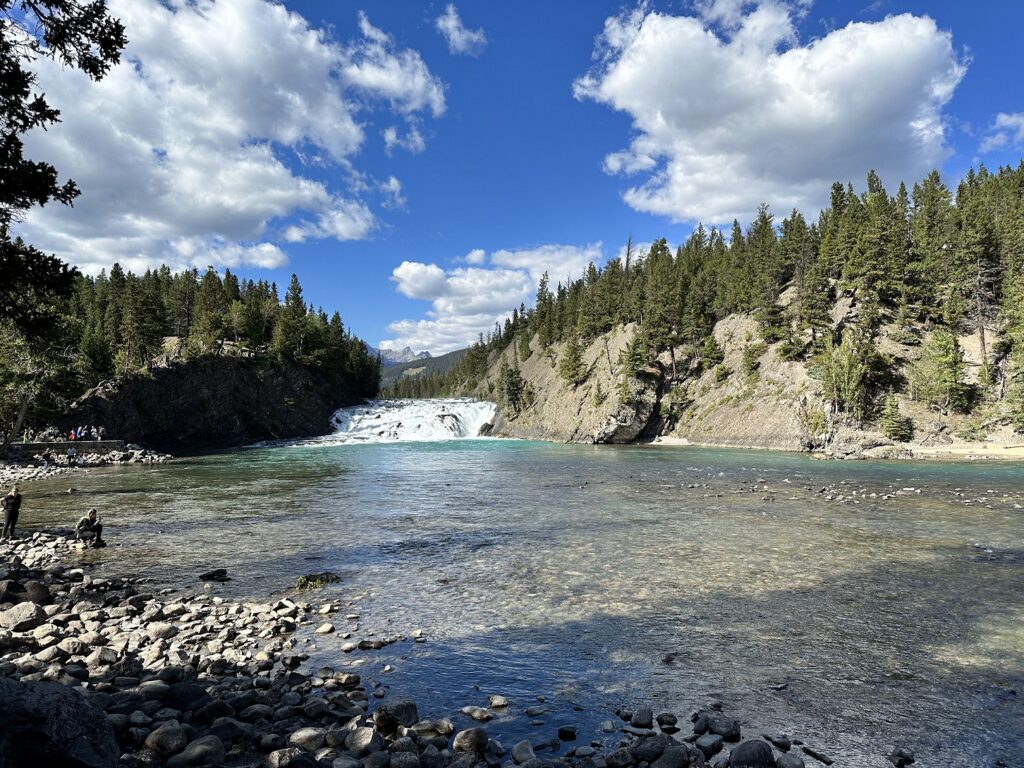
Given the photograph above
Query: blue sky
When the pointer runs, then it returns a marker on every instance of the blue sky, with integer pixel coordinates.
(419, 175)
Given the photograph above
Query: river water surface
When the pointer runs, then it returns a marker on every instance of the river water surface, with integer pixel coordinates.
(790, 589)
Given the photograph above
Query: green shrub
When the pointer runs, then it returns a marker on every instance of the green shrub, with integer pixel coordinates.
(722, 373)
(972, 430)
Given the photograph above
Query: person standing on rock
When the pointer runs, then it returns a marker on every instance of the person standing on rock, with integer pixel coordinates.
(11, 504)
(90, 529)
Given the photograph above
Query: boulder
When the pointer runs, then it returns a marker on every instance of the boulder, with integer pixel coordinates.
(38, 593)
(167, 740)
(11, 591)
(186, 696)
(293, 757)
(620, 758)
(159, 630)
(22, 617)
(310, 739)
(523, 752)
(46, 724)
(789, 761)
(710, 744)
(673, 757)
(752, 754)
(404, 711)
(209, 750)
(471, 740)
(217, 574)
(651, 748)
(405, 760)
(642, 718)
(364, 741)
(725, 727)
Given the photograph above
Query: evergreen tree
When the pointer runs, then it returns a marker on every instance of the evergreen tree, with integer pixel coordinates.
(938, 377)
(894, 425)
(977, 267)
(845, 369)
(571, 367)
(290, 330)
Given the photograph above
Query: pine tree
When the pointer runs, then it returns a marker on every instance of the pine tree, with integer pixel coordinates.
(977, 267)
(636, 355)
(938, 377)
(208, 321)
(894, 425)
(658, 290)
(931, 227)
(513, 393)
(846, 374)
(571, 367)
(711, 353)
(290, 329)
(544, 314)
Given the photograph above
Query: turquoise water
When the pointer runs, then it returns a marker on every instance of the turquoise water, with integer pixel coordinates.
(605, 576)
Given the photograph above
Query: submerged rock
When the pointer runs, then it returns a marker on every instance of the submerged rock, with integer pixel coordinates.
(752, 754)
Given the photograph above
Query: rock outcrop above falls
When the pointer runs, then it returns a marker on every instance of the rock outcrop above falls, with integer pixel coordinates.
(212, 402)
(770, 406)
(600, 410)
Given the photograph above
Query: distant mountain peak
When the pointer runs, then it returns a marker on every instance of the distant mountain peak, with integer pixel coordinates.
(395, 356)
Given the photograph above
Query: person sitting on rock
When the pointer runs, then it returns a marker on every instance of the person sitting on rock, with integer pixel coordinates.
(11, 504)
(90, 529)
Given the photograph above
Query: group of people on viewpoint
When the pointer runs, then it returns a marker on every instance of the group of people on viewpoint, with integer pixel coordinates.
(87, 433)
(51, 434)
(89, 529)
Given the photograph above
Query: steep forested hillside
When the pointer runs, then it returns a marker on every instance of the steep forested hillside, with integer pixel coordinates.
(883, 299)
(121, 325)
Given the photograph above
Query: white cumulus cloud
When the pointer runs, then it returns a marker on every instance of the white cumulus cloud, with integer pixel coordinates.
(731, 109)
(195, 149)
(468, 301)
(1008, 130)
(461, 40)
(412, 140)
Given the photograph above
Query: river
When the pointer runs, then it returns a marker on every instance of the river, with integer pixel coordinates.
(855, 605)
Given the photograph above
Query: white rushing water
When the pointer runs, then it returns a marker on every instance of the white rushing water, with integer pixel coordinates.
(386, 421)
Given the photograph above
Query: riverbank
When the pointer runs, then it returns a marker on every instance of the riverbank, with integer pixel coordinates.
(888, 451)
(183, 677)
(36, 469)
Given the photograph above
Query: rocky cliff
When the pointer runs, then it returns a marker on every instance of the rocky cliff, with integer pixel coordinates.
(599, 410)
(767, 411)
(212, 402)
(752, 399)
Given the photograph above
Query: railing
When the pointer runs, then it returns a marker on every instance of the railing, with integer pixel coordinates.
(60, 448)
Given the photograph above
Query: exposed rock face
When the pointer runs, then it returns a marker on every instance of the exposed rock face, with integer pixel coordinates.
(769, 410)
(212, 402)
(596, 411)
(49, 724)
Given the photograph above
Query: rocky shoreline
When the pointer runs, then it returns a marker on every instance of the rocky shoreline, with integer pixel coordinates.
(36, 469)
(102, 672)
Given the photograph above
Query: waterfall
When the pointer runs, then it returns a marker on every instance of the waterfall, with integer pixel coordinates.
(384, 421)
